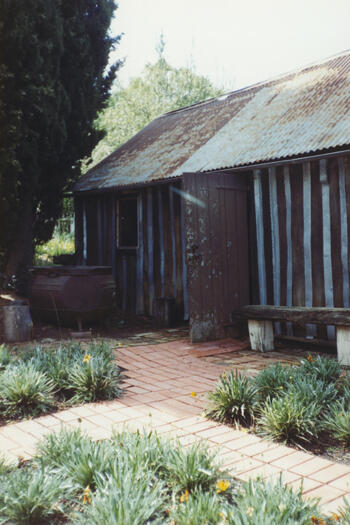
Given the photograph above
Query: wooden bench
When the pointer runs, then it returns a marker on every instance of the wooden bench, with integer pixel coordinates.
(261, 318)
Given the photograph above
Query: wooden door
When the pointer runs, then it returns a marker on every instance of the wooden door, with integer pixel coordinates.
(216, 229)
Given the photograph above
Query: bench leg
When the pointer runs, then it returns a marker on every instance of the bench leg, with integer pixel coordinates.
(261, 335)
(343, 345)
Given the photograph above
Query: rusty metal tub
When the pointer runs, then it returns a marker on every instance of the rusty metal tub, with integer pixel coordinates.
(71, 294)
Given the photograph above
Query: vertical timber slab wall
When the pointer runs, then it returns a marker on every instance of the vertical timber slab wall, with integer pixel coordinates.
(157, 267)
(162, 247)
(300, 220)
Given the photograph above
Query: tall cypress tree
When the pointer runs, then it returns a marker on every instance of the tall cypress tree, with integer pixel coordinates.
(53, 81)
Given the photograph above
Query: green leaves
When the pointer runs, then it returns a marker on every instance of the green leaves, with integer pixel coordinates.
(234, 399)
(54, 79)
(159, 89)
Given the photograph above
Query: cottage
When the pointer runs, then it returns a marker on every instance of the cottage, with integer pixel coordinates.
(240, 199)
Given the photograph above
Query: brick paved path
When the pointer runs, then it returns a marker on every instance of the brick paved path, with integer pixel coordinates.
(160, 380)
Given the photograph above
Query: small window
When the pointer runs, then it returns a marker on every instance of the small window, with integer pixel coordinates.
(127, 223)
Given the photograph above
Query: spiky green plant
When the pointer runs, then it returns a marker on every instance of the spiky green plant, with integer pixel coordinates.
(325, 369)
(234, 399)
(91, 459)
(125, 496)
(271, 502)
(5, 356)
(192, 468)
(337, 422)
(289, 419)
(95, 378)
(199, 508)
(32, 496)
(56, 448)
(25, 391)
(273, 380)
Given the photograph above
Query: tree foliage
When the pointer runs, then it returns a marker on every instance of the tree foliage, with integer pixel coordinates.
(53, 81)
(160, 88)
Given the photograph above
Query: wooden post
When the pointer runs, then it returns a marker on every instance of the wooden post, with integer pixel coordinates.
(261, 335)
(343, 345)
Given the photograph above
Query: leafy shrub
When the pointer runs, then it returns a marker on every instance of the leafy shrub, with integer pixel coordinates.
(271, 502)
(273, 380)
(25, 391)
(197, 509)
(192, 468)
(323, 368)
(30, 496)
(337, 422)
(234, 399)
(289, 419)
(95, 379)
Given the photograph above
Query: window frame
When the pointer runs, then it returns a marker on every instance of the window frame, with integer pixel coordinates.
(133, 197)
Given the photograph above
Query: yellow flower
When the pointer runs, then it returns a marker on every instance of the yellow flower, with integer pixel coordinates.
(120, 345)
(87, 358)
(87, 496)
(249, 511)
(310, 359)
(222, 485)
(223, 516)
(193, 394)
(184, 496)
(281, 387)
(335, 516)
(317, 521)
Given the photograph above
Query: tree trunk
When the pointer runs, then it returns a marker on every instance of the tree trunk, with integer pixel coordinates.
(20, 252)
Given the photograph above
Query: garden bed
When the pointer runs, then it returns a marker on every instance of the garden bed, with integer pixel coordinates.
(40, 380)
(135, 479)
(305, 405)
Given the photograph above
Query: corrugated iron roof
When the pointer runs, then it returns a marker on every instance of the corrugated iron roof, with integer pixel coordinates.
(299, 113)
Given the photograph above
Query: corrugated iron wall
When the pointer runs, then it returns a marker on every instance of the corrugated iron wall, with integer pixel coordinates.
(299, 229)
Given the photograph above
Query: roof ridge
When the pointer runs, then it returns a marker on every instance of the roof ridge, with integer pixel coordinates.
(266, 82)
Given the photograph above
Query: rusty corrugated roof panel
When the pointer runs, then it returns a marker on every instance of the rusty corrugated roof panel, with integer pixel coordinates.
(299, 113)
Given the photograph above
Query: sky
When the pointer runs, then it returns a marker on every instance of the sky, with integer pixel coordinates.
(233, 43)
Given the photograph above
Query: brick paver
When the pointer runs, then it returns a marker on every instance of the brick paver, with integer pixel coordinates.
(166, 386)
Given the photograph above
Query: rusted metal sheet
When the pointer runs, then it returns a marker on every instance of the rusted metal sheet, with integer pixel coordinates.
(217, 250)
(67, 294)
(299, 113)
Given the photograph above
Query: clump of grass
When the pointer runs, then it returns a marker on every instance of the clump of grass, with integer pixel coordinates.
(31, 496)
(88, 462)
(272, 380)
(5, 357)
(56, 448)
(139, 479)
(199, 508)
(192, 468)
(234, 399)
(25, 391)
(324, 369)
(42, 378)
(95, 378)
(289, 419)
(311, 389)
(271, 502)
(126, 496)
(337, 422)
(60, 244)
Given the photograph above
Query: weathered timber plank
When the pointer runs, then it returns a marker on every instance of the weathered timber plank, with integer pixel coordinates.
(296, 314)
